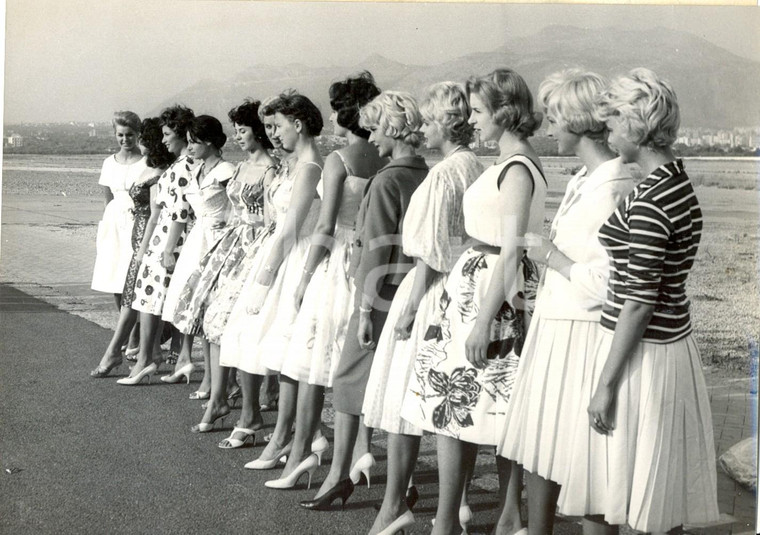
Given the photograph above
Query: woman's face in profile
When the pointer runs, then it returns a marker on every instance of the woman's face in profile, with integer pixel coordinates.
(172, 141)
(482, 120)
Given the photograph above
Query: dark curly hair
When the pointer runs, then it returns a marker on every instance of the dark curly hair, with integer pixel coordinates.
(247, 114)
(206, 128)
(151, 138)
(294, 106)
(348, 96)
(177, 118)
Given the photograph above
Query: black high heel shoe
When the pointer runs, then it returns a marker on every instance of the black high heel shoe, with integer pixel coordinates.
(342, 490)
(411, 497)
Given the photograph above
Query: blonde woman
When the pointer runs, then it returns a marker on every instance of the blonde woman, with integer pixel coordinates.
(644, 452)
(565, 325)
(433, 235)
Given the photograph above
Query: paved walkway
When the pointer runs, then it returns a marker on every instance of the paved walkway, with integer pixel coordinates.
(48, 252)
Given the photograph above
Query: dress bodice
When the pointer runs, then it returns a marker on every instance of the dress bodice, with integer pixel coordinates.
(482, 213)
(208, 195)
(246, 199)
(120, 177)
(140, 195)
(279, 197)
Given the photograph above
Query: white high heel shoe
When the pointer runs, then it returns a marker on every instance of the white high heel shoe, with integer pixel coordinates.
(319, 447)
(176, 377)
(307, 466)
(400, 524)
(147, 371)
(260, 464)
(465, 517)
(363, 466)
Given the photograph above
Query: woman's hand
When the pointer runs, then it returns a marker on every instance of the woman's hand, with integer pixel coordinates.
(259, 295)
(265, 277)
(299, 293)
(168, 261)
(404, 323)
(364, 333)
(601, 410)
(476, 346)
(538, 247)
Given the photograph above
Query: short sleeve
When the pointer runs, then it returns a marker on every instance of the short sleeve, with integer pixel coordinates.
(649, 232)
(432, 211)
(106, 173)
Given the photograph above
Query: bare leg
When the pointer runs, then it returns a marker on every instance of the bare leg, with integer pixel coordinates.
(271, 391)
(285, 416)
(510, 487)
(185, 351)
(402, 456)
(453, 456)
(127, 318)
(362, 442)
(308, 413)
(217, 403)
(542, 502)
(250, 415)
(134, 335)
(206, 381)
(149, 324)
(346, 429)
(595, 525)
(117, 299)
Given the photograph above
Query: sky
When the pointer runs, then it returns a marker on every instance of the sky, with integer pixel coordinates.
(78, 60)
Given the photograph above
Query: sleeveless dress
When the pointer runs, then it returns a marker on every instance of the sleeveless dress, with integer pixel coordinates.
(434, 232)
(113, 243)
(208, 296)
(546, 401)
(208, 199)
(140, 194)
(242, 341)
(152, 278)
(446, 394)
(319, 329)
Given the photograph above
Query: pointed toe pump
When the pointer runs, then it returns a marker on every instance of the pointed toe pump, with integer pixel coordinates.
(176, 377)
(341, 491)
(142, 374)
(362, 466)
(307, 466)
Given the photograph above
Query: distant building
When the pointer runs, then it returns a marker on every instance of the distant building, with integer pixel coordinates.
(15, 140)
(93, 132)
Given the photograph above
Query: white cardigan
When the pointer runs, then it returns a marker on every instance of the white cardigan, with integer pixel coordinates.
(588, 203)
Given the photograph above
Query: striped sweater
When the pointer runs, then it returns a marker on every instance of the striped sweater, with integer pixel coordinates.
(652, 238)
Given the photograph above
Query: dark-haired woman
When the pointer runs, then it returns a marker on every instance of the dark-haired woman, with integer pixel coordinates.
(208, 198)
(259, 328)
(119, 172)
(145, 211)
(208, 299)
(324, 293)
(463, 375)
(155, 272)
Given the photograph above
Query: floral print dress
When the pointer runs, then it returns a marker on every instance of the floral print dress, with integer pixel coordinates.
(153, 278)
(446, 394)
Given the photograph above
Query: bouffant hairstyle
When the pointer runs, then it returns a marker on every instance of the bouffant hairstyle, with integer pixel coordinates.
(446, 104)
(348, 96)
(207, 129)
(295, 106)
(570, 98)
(151, 138)
(646, 104)
(396, 114)
(247, 114)
(177, 118)
(508, 99)
(128, 119)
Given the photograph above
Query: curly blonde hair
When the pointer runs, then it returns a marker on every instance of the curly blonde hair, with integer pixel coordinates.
(647, 106)
(446, 104)
(508, 99)
(570, 98)
(396, 114)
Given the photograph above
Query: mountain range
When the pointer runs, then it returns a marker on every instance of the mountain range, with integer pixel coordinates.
(715, 87)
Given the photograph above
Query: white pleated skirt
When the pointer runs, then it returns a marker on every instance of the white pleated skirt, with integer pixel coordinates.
(547, 397)
(656, 470)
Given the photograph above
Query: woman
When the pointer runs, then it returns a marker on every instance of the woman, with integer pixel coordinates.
(119, 172)
(207, 196)
(166, 241)
(644, 452)
(324, 292)
(433, 234)
(463, 374)
(378, 265)
(145, 212)
(565, 325)
(208, 298)
(265, 306)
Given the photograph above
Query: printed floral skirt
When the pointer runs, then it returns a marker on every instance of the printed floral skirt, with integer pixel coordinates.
(448, 395)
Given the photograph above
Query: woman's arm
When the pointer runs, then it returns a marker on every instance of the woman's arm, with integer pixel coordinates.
(333, 180)
(423, 278)
(304, 190)
(150, 226)
(631, 325)
(108, 194)
(514, 199)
